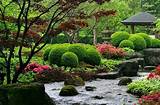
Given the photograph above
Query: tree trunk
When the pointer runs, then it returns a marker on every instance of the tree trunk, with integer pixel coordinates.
(94, 36)
(8, 70)
(17, 73)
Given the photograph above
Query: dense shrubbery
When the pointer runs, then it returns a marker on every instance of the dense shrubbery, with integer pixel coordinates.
(126, 43)
(56, 53)
(93, 57)
(117, 37)
(69, 59)
(146, 38)
(155, 43)
(109, 51)
(143, 87)
(46, 53)
(138, 41)
(79, 50)
(147, 85)
(150, 99)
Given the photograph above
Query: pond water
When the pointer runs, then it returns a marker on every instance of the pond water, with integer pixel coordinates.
(107, 91)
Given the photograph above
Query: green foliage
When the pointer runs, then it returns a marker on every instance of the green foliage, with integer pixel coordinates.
(117, 37)
(138, 41)
(155, 43)
(27, 77)
(126, 43)
(93, 57)
(69, 59)
(110, 64)
(46, 53)
(56, 54)
(146, 37)
(79, 50)
(143, 87)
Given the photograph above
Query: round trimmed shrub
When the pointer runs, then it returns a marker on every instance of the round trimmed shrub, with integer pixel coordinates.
(155, 43)
(79, 50)
(126, 43)
(69, 59)
(46, 53)
(138, 41)
(117, 37)
(93, 57)
(56, 54)
(146, 38)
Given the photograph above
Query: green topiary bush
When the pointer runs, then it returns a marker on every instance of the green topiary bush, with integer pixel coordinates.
(146, 38)
(138, 41)
(155, 43)
(46, 53)
(69, 59)
(56, 54)
(117, 37)
(126, 43)
(93, 57)
(79, 50)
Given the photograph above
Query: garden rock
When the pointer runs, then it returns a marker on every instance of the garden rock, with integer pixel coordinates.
(149, 68)
(90, 88)
(68, 90)
(125, 81)
(74, 80)
(110, 75)
(152, 56)
(24, 94)
(129, 68)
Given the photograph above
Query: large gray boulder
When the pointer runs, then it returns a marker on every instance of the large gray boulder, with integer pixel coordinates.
(129, 68)
(152, 56)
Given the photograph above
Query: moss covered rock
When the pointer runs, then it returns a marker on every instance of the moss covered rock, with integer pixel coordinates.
(74, 80)
(25, 94)
(68, 90)
(125, 81)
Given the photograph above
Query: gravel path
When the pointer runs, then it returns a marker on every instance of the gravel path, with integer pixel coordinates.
(107, 91)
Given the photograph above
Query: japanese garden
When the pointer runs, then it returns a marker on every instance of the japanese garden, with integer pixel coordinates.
(79, 52)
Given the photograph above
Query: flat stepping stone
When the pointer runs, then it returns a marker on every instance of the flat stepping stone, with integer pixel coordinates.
(149, 68)
(110, 75)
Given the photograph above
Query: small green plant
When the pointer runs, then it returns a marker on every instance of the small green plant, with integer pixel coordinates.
(110, 64)
(69, 59)
(117, 37)
(27, 77)
(143, 87)
(138, 41)
(93, 57)
(126, 43)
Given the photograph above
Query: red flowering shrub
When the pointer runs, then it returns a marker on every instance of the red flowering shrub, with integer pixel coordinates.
(151, 99)
(109, 51)
(37, 68)
(154, 74)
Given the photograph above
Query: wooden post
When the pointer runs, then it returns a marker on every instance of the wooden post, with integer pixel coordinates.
(132, 29)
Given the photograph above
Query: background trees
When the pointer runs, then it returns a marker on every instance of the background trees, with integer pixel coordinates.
(30, 23)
